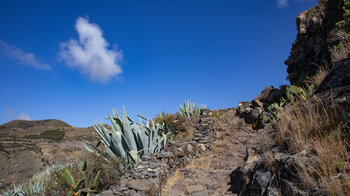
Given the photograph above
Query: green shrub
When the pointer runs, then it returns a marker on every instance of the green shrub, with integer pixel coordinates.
(54, 134)
(293, 93)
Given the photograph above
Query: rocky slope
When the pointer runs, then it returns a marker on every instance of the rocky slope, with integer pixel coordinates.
(25, 150)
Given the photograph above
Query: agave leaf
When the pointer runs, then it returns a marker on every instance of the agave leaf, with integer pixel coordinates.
(134, 155)
(117, 144)
(129, 137)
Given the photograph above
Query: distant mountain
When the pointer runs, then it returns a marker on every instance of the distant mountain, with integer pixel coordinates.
(28, 147)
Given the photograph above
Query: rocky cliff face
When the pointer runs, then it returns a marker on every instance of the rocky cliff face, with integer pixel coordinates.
(317, 35)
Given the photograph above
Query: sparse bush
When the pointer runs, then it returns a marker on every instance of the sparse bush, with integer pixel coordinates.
(176, 123)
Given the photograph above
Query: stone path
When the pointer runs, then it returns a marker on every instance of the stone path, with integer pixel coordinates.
(210, 173)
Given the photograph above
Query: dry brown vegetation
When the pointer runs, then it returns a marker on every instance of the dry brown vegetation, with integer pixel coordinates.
(269, 161)
(319, 76)
(177, 176)
(176, 122)
(316, 128)
(342, 51)
(182, 127)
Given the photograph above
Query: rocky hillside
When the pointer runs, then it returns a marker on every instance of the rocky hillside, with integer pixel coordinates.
(28, 147)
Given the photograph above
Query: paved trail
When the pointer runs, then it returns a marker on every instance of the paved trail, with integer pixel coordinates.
(209, 174)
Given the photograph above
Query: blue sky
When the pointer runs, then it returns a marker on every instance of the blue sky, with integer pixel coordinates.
(76, 60)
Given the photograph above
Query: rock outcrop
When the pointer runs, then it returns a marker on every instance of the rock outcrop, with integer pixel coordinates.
(252, 111)
(317, 35)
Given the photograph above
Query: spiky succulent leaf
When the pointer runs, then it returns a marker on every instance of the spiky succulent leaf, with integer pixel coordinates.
(128, 134)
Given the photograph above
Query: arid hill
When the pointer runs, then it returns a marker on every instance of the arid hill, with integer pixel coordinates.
(28, 147)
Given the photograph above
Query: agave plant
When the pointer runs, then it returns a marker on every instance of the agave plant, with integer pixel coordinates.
(128, 139)
(190, 109)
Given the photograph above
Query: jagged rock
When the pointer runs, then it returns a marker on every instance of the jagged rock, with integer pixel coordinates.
(316, 36)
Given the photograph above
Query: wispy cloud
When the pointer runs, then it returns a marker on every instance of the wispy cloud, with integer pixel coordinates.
(22, 57)
(90, 54)
(23, 116)
(285, 3)
(11, 116)
(282, 3)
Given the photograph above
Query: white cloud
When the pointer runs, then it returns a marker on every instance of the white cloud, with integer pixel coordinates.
(10, 115)
(23, 116)
(22, 57)
(90, 54)
(282, 3)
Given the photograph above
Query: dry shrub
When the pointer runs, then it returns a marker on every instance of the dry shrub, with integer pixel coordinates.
(319, 76)
(314, 127)
(342, 51)
(188, 134)
(176, 121)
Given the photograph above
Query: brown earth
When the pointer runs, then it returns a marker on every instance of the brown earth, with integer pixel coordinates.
(21, 156)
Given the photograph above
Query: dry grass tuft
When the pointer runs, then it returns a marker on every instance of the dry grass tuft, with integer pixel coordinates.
(342, 51)
(187, 134)
(177, 176)
(319, 76)
(314, 127)
(269, 161)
